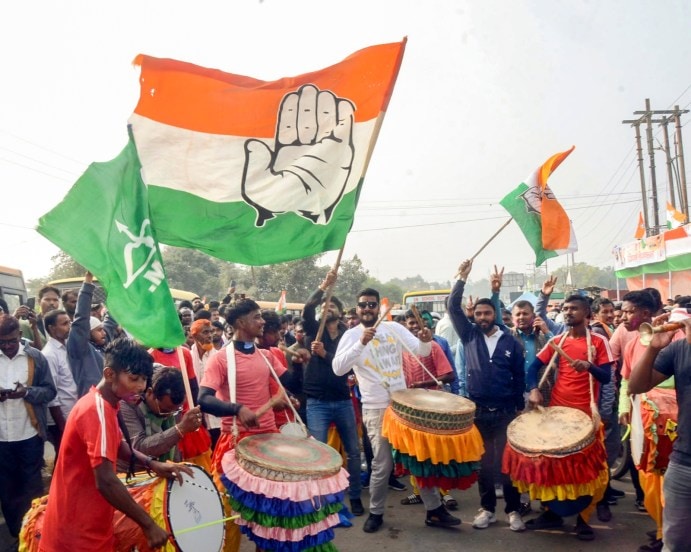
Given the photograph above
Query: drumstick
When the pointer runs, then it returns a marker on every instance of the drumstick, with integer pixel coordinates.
(205, 525)
(559, 350)
(383, 316)
(266, 407)
(417, 316)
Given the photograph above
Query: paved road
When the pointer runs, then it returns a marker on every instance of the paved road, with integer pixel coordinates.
(404, 530)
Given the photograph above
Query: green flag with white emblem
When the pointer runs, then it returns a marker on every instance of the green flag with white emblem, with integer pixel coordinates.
(104, 224)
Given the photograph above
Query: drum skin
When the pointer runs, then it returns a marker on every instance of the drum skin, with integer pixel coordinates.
(432, 410)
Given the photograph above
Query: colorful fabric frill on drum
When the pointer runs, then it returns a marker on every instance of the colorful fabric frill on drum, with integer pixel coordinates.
(285, 516)
(449, 461)
(32, 525)
(557, 477)
(659, 411)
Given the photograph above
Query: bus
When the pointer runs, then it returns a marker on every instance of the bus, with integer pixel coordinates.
(294, 309)
(12, 287)
(65, 284)
(433, 300)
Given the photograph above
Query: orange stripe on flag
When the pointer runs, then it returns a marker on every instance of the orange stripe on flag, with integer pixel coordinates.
(556, 227)
(208, 100)
(640, 228)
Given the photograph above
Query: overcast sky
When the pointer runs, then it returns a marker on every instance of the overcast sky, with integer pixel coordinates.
(488, 90)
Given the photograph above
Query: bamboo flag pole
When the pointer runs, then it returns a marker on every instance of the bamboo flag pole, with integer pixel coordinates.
(492, 238)
(329, 293)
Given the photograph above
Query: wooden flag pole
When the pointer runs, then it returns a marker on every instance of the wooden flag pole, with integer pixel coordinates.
(329, 293)
(492, 238)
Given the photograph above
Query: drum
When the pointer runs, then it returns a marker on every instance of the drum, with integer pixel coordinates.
(433, 410)
(556, 456)
(433, 437)
(287, 490)
(176, 508)
(652, 415)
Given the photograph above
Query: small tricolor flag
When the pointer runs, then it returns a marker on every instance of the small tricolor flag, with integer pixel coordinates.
(674, 218)
(281, 305)
(539, 215)
(640, 227)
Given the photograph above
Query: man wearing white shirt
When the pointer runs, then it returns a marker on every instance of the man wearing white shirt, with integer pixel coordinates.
(375, 355)
(57, 324)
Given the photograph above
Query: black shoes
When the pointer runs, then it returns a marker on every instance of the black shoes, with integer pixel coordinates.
(546, 520)
(373, 523)
(604, 514)
(439, 517)
(356, 507)
(396, 485)
(584, 531)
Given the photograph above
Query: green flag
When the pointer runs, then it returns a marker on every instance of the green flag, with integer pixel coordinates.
(104, 224)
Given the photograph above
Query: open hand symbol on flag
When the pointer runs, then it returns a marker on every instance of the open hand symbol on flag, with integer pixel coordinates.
(308, 169)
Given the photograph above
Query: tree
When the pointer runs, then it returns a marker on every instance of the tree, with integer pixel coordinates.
(351, 279)
(193, 271)
(584, 275)
(390, 290)
(65, 266)
(299, 278)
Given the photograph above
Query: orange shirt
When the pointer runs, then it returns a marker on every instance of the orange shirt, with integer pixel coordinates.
(572, 388)
(77, 516)
(436, 362)
(254, 384)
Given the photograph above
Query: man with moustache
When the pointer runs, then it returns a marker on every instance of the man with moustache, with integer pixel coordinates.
(328, 395)
(495, 383)
(375, 355)
(202, 351)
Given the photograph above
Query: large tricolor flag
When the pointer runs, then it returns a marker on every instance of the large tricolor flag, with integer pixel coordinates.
(539, 215)
(675, 219)
(259, 172)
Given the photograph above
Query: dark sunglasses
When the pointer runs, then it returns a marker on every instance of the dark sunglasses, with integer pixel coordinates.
(368, 304)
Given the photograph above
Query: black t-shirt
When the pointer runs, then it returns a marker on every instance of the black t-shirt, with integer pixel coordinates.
(675, 360)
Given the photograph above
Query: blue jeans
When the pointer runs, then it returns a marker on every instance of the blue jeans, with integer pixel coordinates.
(320, 414)
(676, 517)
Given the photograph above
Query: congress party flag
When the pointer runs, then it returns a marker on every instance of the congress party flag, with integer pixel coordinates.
(103, 223)
(259, 172)
(281, 304)
(675, 219)
(539, 215)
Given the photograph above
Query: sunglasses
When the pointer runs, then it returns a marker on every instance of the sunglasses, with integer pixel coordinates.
(368, 304)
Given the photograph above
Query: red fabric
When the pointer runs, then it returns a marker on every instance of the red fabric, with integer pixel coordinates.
(77, 516)
(447, 483)
(547, 471)
(436, 362)
(128, 535)
(171, 359)
(573, 388)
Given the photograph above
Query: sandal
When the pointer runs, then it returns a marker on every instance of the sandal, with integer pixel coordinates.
(411, 499)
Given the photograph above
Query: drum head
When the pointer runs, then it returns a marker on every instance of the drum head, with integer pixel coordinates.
(294, 429)
(195, 503)
(281, 457)
(637, 431)
(431, 400)
(556, 430)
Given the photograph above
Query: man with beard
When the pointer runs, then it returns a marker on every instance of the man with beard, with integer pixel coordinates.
(328, 395)
(495, 383)
(85, 490)
(375, 355)
(69, 302)
(186, 316)
(217, 335)
(86, 341)
(591, 358)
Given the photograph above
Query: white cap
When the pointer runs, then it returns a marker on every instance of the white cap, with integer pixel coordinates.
(94, 323)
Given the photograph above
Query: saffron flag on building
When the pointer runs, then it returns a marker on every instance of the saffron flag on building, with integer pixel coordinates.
(640, 227)
(539, 215)
(674, 218)
(281, 305)
(259, 172)
(103, 223)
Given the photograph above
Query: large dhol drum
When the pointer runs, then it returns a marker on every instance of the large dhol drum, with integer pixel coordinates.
(174, 507)
(555, 454)
(287, 490)
(653, 429)
(433, 437)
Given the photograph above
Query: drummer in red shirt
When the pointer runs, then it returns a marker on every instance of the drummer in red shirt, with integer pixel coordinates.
(85, 490)
(591, 356)
(254, 386)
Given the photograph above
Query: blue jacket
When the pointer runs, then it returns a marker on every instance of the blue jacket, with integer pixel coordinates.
(496, 382)
(86, 362)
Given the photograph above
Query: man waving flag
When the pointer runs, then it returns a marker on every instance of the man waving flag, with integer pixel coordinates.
(539, 215)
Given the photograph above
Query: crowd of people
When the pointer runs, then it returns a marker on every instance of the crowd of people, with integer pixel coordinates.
(72, 376)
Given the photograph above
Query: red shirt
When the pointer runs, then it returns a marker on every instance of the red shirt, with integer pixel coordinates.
(573, 388)
(172, 360)
(77, 516)
(254, 384)
(436, 362)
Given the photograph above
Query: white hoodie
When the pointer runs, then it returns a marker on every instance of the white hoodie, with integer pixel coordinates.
(377, 365)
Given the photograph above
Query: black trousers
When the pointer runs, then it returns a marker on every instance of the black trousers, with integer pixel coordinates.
(20, 479)
(492, 426)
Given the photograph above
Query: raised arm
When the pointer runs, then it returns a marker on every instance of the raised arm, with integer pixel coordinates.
(460, 321)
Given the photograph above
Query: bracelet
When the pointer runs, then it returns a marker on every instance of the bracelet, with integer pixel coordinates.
(180, 433)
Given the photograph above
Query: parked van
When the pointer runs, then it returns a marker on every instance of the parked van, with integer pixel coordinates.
(12, 287)
(99, 293)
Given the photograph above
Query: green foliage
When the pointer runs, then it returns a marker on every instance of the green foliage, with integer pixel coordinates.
(299, 278)
(351, 279)
(393, 292)
(65, 266)
(585, 275)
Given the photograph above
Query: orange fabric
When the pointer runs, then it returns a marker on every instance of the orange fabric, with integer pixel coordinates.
(651, 483)
(657, 407)
(208, 100)
(556, 227)
(32, 525)
(640, 227)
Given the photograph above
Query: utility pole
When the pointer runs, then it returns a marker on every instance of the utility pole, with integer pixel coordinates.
(670, 176)
(683, 196)
(636, 124)
(651, 155)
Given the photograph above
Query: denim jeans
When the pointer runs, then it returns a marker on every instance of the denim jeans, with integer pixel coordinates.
(320, 414)
(676, 517)
(492, 426)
